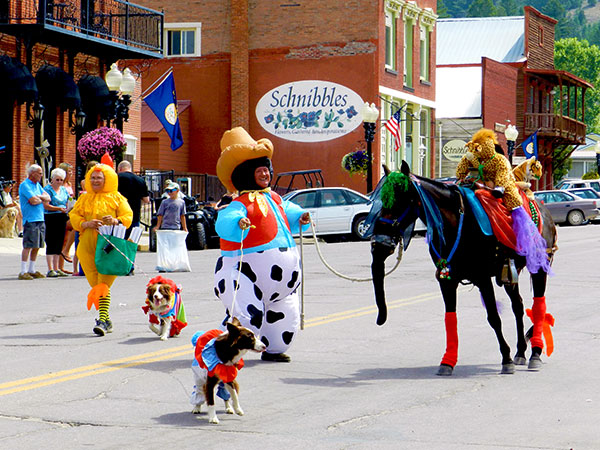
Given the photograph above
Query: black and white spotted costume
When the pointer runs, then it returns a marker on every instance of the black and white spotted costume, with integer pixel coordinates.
(267, 299)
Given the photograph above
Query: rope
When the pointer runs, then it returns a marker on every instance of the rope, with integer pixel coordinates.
(346, 277)
(237, 281)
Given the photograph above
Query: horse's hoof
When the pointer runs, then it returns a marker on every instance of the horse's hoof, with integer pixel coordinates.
(445, 370)
(535, 363)
(508, 369)
(520, 361)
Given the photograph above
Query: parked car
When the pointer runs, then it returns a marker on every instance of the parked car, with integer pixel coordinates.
(574, 184)
(585, 193)
(334, 210)
(568, 208)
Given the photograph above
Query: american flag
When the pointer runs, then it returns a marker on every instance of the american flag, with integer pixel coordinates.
(393, 126)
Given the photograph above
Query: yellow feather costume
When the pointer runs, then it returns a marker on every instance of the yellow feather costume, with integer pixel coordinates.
(95, 205)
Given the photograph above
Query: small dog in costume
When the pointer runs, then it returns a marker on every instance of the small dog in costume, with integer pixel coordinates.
(218, 357)
(258, 273)
(525, 172)
(164, 308)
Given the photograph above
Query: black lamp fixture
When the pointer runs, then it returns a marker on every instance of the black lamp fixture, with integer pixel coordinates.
(121, 85)
(79, 122)
(369, 114)
(38, 115)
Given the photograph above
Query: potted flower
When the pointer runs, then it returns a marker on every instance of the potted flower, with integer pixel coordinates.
(355, 162)
(102, 140)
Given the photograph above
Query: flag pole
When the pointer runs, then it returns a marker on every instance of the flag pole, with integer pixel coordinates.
(170, 69)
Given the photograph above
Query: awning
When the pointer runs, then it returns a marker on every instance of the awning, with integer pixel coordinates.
(17, 80)
(95, 96)
(57, 87)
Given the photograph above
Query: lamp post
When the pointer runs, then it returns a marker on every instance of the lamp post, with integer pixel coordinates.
(597, 149)
(77, 130)
(511, 134)
(123, 82)
(369, 114)
(35, 122)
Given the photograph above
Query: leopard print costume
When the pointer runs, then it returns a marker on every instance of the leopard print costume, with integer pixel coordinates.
(524, 172)
(492, 166)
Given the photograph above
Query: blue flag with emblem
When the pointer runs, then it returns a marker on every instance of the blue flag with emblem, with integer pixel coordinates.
(530, 147)
(163, 103)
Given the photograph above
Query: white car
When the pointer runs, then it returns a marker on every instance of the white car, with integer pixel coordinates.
(333, 210)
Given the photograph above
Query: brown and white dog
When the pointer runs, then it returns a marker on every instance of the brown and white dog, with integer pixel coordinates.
(7, 223)
(164, 307)
(218, 357)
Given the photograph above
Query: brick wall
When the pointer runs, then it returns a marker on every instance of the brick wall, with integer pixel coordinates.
(498, 95)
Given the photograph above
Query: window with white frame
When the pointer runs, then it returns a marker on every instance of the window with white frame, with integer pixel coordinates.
(408, 53)
(182, 39)
(390, 40)
(424, 53)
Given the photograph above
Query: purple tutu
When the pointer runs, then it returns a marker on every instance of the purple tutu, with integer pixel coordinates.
(530, 242)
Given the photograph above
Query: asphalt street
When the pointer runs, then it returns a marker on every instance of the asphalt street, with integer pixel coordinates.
(350, 385)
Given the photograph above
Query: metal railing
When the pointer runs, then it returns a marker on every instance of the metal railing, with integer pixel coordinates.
(113, 20)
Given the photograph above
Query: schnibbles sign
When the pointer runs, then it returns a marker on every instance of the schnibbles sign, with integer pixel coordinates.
(454, 150)
(309, 111)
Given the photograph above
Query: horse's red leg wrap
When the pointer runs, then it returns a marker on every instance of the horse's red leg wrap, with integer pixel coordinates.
(539, 314)
(451, 355)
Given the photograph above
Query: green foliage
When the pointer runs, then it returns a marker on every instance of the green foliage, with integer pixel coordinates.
(583, 60)
(442, 11)
(591, 175)
(395, 181)
(560, 164)
(482, 8)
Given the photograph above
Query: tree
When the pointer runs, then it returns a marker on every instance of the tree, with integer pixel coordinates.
(442, 11)
(583, 60)
(482, 8)
(510, 7)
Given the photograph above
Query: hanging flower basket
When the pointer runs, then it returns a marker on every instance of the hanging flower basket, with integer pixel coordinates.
(97, 142)
(355, 162)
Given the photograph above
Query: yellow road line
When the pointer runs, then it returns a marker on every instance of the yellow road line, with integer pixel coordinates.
(62, 376)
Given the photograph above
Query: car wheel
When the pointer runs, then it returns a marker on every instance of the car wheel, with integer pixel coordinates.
(152, 240)
(575, 217)
(358, 227)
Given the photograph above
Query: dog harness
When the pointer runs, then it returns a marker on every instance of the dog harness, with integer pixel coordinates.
(207, 358)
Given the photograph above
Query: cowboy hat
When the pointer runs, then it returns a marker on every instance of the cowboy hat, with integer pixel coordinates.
(238, 146)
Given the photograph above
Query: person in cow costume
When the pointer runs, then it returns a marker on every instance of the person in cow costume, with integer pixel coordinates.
(258, 273)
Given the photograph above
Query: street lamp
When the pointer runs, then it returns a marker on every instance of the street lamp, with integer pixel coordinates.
(369, 114)
(511, 134)
(123, 82)
(77, 127)
(597, 149)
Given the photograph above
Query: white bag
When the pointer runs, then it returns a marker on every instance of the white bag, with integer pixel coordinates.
(171, 251)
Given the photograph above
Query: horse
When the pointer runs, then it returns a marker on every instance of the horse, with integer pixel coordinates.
(463, 254)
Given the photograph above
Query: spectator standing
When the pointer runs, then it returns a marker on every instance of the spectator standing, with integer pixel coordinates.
(6, 202)
(69, 231)
(171, 212)
(134, 189)
(32, 198)
(55, 216)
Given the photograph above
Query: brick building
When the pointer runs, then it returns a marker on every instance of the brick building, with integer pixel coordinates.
(54, 58)
(506, 75)
(298, 73)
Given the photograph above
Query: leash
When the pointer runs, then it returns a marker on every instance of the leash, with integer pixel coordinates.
(346, 277)
(237, 281)
(301, 280)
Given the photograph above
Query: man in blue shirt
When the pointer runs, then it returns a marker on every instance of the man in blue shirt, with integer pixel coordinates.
(32, 198)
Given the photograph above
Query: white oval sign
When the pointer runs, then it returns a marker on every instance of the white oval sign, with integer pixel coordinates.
(454, 150)
(309, 111)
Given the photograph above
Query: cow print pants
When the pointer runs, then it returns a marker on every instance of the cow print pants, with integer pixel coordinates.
(267, 299)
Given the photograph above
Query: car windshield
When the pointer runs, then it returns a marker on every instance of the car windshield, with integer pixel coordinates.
(587, 193)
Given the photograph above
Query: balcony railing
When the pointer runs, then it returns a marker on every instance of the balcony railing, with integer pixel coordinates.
(563, 128)
(116, 22)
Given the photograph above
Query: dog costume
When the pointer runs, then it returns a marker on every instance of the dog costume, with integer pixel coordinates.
(95, 205)
(177, 311)
(259, 267)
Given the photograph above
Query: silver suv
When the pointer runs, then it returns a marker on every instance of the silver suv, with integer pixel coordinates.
(573, 184)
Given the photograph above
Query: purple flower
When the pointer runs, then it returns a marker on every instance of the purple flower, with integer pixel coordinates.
(94, 144)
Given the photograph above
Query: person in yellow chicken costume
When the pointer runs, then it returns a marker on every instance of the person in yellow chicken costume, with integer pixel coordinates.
(101, 205)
